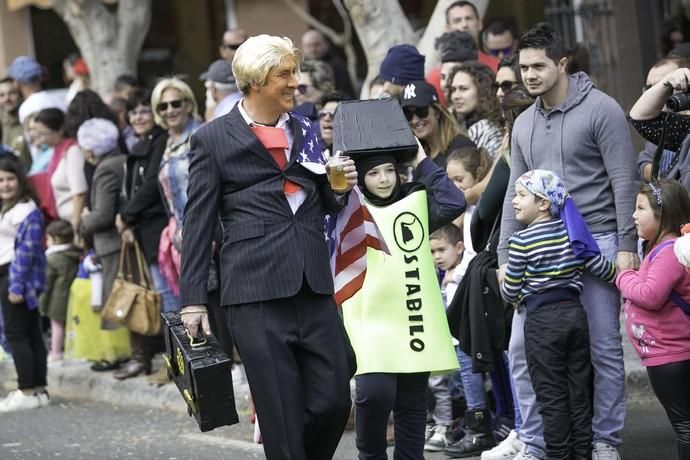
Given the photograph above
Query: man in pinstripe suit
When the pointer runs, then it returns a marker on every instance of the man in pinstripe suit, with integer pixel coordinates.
(275, 276)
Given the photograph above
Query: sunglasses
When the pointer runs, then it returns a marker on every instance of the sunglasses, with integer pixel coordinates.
(230, 46)
(506, 51)
(302, 88)
(421, 112)
(323, 113)
(176, 104)
(505, 85)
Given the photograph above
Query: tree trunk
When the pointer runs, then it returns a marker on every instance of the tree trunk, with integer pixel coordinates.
(109, 42)
(379, 25)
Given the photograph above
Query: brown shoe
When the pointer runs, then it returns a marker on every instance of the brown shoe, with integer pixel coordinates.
(161, 377)
(132, 369)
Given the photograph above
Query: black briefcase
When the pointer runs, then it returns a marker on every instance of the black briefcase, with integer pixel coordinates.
(203, 374)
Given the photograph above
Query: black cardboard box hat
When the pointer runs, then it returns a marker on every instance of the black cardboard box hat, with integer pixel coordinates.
(373, 127)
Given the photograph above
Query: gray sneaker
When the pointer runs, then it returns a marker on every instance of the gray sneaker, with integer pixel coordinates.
(603, 451)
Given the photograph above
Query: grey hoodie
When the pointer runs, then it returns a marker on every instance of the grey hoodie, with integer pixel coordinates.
(586, 141)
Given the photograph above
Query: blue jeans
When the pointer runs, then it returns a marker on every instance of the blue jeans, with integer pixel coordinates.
(602, 305)
(472, 384)
(169, 301)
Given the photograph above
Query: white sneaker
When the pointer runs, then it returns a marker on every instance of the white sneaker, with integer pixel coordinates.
(523, 455)
(438, 441)
(43, 398)
(17, 400)
(603, 451)
(506, 450)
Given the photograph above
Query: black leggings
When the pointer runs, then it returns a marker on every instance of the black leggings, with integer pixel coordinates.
(23, 331)
(379, 394)
(671, 384)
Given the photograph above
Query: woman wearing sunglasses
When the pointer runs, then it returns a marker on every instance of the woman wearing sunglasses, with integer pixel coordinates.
(430, 122)
(474, 104)
(507, 77)
(175, 109)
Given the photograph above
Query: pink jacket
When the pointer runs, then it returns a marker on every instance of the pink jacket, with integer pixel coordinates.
(658, 329)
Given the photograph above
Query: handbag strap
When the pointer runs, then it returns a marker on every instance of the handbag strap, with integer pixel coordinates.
(123, 265)
(144, 273)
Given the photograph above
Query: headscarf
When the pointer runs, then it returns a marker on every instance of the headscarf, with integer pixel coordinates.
(364, 164)
(547, 185)
(98, 135)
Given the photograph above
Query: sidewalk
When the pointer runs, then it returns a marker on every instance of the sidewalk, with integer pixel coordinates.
(75, 380)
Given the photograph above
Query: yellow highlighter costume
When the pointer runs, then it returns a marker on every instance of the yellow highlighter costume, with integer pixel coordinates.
(397, 322)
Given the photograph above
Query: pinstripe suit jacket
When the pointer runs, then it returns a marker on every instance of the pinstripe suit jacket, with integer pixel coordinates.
(267, 250)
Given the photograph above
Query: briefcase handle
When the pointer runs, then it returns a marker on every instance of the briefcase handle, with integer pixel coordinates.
(194, 344)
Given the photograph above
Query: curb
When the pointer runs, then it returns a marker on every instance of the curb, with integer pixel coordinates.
(76, 380)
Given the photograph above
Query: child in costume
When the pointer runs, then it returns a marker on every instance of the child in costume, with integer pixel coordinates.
(396, 322)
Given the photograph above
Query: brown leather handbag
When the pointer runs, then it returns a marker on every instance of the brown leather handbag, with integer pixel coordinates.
(135, 306)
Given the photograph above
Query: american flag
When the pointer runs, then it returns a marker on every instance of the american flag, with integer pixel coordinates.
(349, 232)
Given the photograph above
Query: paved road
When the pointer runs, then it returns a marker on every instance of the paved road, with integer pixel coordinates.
(79, 430)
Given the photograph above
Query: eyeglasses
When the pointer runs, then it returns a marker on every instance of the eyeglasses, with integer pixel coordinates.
(302, 88)
(323, 113)
(505, 85)
(163, 106)
(506, 51)
(231, 46)
(421, 112)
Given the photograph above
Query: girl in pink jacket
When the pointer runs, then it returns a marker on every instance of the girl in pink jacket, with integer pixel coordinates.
(657, 307)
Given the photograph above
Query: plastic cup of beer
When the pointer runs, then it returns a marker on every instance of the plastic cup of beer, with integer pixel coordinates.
(336, 173)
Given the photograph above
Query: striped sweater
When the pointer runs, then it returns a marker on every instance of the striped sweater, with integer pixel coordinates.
(540, 258)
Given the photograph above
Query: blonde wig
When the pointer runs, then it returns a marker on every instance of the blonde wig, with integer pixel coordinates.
(255, 58)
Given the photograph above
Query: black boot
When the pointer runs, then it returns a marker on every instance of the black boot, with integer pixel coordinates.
(478, 436)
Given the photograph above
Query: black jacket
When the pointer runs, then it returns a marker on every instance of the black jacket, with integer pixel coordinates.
(142, 205)
(478, 317)
(268, 251)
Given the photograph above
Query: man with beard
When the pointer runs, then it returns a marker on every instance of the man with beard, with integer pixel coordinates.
(582, 135)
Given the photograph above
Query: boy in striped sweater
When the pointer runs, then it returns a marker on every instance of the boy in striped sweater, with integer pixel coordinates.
(545, 265)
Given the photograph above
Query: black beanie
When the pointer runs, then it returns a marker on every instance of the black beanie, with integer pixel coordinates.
(402, 65)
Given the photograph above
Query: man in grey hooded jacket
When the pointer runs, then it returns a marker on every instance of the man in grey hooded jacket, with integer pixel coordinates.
(582, 135)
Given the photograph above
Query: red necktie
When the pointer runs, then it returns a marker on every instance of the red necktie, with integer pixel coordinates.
(275, 141)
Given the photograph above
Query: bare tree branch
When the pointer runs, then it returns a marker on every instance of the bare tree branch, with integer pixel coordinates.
(334, 36)
(343, 40)
(350, 55)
